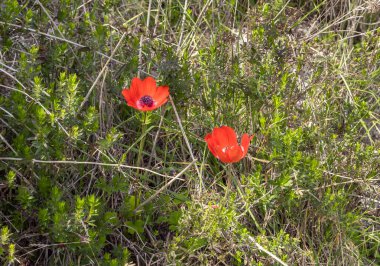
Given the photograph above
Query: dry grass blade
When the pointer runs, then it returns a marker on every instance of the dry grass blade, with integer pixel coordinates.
(100, 74)
(86, 163)
(261, 248)
(33, 99)
(60, 39)
(165, 186)
(187, 144)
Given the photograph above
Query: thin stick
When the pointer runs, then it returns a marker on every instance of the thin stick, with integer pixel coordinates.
(164, 187)
(8, 145)
(30, 97)
(139, 70)
(257, 159)
(156, 18)
(143, 137)
(267, 251)
(41, 246)
(153, 153)
(55, 26)
(10, 68)
(148, 17)
(87, 163)
(59, 39)
(240, 191)
(186, 140)
(100, 74)
(182, 27)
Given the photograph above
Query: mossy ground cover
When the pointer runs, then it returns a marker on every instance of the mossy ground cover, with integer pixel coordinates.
(87, 180)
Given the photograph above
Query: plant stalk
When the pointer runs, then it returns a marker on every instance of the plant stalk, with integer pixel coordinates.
(142, 142)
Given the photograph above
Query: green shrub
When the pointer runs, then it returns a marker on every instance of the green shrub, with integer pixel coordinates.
(302, 76)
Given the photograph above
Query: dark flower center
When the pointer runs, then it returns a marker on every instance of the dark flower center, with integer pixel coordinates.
(146, 101)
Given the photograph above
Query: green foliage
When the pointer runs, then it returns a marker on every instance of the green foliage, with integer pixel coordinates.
(289, 72)
(7, 249)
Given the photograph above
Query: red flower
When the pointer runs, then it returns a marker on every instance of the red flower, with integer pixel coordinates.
(144, 95)
(222, 142)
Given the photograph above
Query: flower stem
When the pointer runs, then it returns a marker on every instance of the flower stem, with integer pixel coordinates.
(229, 176)
(143, 134)
(144, 125)
(240, 190)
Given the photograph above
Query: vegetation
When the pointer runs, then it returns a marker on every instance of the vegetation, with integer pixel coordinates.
(87, 180)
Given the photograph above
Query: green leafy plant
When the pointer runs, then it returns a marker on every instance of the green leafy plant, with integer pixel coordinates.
(82, 183)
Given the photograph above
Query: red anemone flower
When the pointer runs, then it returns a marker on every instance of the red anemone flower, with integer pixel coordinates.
(222, 142)
(144, 95)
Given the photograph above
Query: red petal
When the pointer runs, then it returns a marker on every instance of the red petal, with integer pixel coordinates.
(136, 88)
(129, 97)
(222, 155)
(224, 136)
(161, 103)
(245, 140)
(234, 154)
(211, 144)
(148, 87)
(161, 95)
